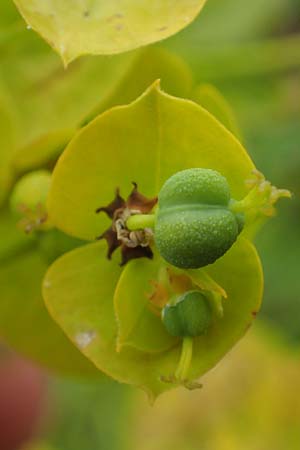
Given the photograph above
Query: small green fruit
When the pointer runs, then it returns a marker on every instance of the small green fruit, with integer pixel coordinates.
(190, 316)
(30, 191)
(194, 225)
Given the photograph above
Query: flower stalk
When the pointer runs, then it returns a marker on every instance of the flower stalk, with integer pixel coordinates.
(140, 221)
(181, 373)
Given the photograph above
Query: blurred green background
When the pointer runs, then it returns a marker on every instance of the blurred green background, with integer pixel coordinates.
(251, 53)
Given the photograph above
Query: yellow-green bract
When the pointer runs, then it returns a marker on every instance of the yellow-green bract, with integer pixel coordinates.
(104, 309)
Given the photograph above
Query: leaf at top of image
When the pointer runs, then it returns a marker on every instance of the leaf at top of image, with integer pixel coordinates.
(77, 27)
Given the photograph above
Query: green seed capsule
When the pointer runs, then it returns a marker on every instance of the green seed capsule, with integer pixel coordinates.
(190, 316)
(194, 225)
(30, 191)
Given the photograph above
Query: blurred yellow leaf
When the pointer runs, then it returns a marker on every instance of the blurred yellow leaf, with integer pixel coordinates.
(74, 27)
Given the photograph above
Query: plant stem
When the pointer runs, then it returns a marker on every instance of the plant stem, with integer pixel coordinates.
(185, 359)
(140, 221)
(248, 202)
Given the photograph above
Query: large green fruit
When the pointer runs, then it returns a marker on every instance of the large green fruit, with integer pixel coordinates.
(194, 225)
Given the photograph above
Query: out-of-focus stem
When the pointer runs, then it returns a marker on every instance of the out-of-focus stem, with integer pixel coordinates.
(185, 359)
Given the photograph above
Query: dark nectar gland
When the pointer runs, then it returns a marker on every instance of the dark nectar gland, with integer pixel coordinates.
(133, 243)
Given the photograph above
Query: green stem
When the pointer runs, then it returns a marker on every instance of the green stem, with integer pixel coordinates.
(248, 202)
(185, 359)
(140, 221)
